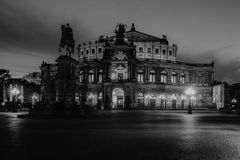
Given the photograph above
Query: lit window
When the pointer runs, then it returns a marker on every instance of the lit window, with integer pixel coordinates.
(100, 76)
(140, 75)
(174, 77)
(156, 50)
(140, 49)
(182, 78)
(163, 77)
(149, 50)
(152, 76)
(81, 76)
(90, 76)
(140, 95)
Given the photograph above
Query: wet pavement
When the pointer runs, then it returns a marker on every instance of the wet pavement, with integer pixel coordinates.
(123, 135)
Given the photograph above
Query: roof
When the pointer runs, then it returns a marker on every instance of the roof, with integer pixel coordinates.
(137, 36)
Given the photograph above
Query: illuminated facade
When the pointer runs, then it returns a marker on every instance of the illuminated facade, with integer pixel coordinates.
(138, 71)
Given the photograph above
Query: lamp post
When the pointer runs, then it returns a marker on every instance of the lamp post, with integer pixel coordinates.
(234, 102)
(34, 99)
(190, 92)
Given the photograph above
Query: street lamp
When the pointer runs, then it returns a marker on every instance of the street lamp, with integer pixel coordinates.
(21, 98)
(34, 99)
(190, 92)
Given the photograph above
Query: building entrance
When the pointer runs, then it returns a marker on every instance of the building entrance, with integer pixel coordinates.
(119, 101)
(118, 98)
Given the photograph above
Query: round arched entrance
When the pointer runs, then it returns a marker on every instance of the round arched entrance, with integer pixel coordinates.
(118, 98)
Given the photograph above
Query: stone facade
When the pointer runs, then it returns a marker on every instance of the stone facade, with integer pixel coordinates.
(132, 70)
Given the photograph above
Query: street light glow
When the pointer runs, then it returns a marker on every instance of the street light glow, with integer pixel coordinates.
(234, 101)
(15, 91)
(190, 91)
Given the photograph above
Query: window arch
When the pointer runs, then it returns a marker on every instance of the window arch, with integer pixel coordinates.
(182, 78)
(152, 76)
(81, 76)
(90, 76)
(140, 95)
(100, 75)
(174, 77)
(163, 77)
(140, 75)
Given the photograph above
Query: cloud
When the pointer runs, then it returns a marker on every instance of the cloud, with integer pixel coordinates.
(30, 30)
(28, 37)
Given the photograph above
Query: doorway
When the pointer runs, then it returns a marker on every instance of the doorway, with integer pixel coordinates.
(118, 98)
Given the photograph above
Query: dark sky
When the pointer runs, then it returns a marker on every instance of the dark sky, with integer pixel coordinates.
(204, 30)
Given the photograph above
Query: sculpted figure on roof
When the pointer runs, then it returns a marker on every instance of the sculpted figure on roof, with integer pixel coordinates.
(120, 33)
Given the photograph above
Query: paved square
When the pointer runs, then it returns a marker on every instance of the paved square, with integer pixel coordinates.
(170, 135)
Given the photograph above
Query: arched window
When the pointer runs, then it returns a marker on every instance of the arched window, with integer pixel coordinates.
(152, 76)
(163, 77)
(182, 78)
(140, 75)
(90, 76)
(163, 51)
(140, 95)
(100, 75)
(149, 50)
(174, 77)
(100, 95)
(81, 76)
(200, 78)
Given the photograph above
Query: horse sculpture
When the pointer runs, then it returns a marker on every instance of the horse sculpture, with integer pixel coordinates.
(67, 40)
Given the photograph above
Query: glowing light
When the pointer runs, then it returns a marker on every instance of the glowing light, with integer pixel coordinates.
(190, 91)
(173, 96)
(34, 97)
(20, 98)
(183, 97)
(91, 96)
(234, 100)
(15, 91)
(148, 96)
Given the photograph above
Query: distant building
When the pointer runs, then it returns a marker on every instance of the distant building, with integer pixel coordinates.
(4, 76)
(235, 91)
(17, 89)
(221, 94)
(129, 70)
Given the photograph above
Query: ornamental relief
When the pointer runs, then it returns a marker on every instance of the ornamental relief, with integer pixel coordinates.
(119, 56)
